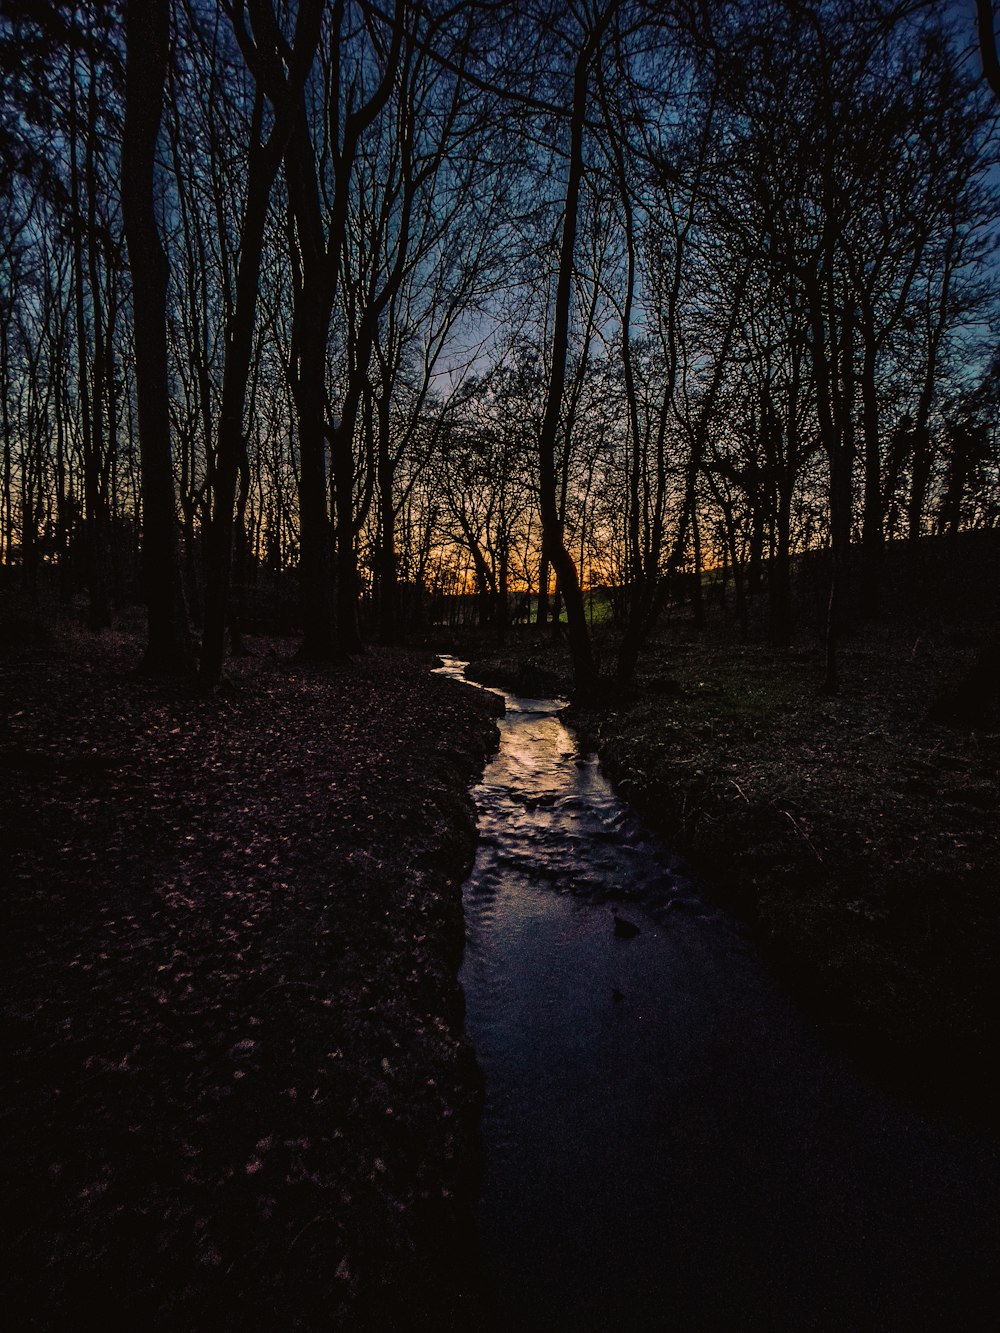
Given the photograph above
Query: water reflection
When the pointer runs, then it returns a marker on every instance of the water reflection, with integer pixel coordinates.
(667, 1144)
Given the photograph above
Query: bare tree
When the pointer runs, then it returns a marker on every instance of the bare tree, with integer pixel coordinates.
(169, 645)
(281, 68)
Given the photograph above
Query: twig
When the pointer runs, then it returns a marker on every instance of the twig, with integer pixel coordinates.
(803, 835)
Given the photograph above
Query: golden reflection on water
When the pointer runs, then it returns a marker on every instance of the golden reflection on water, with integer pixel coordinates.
(662, 1132)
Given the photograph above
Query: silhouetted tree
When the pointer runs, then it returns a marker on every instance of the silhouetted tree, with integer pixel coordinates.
(169, 646)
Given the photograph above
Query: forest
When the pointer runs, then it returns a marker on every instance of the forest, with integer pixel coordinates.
(350, 310)
(640, 359)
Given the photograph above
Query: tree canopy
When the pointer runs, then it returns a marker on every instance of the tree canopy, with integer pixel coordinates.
(400, 301)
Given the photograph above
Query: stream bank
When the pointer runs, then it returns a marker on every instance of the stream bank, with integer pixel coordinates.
(667, 1141)
(859, 839)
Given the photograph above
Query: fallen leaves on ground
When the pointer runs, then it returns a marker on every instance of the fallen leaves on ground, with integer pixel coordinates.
(239, 1095)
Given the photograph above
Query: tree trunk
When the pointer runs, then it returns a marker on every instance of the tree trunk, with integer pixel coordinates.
(99, 611)
(824, 369)
(231, 444)
(697, 602)
(503, 594)
(315, 572)
(264, 159)
(780, 620)
(241, 559)
(542, 606)
(168, 647)
(872, 535)
(387, 579)
(342, 458)
(553, 545)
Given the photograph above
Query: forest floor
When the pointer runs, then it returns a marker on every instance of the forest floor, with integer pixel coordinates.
(860, 838)
(239, 1095)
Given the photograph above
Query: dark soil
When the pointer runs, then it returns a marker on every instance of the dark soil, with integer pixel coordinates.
(860, 837)
(238, 1094)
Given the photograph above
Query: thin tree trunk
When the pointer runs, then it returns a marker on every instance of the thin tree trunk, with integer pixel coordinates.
(554, 546)
(387, 581)
(342, 459)
(230, 442)
(264, 160)
(96, 494)
(168, 647)
(542, 606)
(872, 534)
(98, 616)
(315, 564)
(697, 601)
(780, 620)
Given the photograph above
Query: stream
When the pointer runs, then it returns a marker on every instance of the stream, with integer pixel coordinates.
(668, 1144)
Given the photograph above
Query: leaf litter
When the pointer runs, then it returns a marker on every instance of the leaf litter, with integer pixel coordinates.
(240, 1095)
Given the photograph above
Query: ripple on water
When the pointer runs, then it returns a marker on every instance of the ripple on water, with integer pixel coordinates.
(667, 1145)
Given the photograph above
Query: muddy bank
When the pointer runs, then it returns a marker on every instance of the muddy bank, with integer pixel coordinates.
(240, 1095)
(861, 839)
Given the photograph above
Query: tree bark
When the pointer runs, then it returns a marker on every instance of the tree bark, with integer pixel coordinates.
(264, 160)
(169, 648)
(230, 443)
(872, 534)
(99, 608)
(388, 592)
(553, 546)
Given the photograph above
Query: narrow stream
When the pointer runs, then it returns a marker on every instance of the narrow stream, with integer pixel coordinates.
(668, 1145)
